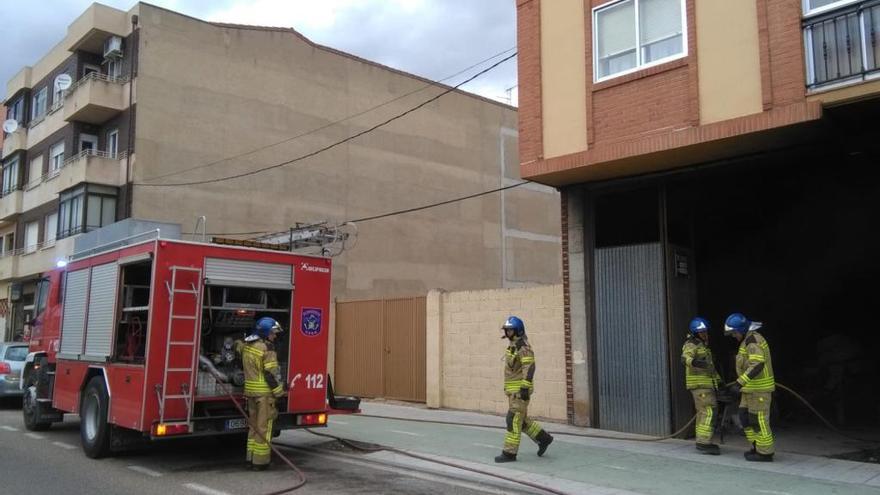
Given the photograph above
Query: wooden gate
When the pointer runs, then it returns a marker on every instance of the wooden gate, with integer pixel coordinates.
(380, 348)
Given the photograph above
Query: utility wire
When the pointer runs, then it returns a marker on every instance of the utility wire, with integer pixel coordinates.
(410, 210)
(337, 143)
(434, 205)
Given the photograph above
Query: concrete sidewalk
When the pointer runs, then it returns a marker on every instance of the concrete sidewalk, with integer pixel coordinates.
(599, 466)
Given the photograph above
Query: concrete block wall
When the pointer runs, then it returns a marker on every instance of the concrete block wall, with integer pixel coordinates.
(465, 350)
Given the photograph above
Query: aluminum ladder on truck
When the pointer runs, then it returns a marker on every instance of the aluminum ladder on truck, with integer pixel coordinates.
(186, 388)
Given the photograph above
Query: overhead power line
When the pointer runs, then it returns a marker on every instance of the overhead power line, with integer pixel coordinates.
(328, 125)
(409, 210)
(337, 143)
(434, 205)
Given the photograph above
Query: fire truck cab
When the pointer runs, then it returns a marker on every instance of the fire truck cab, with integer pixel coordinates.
(138, 339)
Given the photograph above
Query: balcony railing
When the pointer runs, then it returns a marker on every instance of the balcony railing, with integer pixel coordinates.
(95, 76)
(51, 174)
(28, 249)
(843, 45)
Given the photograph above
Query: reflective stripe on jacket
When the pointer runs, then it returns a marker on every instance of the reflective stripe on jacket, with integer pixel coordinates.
(754, 368)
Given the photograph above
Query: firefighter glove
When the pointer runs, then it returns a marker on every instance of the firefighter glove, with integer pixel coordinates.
(735, 388)
(524, 393)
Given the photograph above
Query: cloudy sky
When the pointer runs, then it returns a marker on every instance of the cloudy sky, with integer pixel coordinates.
(431, 38)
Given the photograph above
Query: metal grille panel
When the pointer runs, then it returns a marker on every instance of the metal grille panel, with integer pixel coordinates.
(633, 375)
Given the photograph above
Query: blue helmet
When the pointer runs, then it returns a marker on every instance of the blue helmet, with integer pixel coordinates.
(519, 328)
(266, 326)
(698, 325)
(737, 322)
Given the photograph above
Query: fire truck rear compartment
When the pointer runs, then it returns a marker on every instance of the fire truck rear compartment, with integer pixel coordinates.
(228, 315)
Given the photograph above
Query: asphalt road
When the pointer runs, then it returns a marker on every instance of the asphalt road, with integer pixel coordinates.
(53, 462)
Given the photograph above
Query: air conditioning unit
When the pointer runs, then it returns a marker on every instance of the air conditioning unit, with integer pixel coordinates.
(113, 47)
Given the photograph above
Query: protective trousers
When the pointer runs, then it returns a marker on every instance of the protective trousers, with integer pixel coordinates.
(261, 413)
(754, 412)
(707, 409)
(517, 422)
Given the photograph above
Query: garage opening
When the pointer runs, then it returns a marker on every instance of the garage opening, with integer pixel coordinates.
(793, 242)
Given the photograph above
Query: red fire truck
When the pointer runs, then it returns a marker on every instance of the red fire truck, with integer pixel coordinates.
(138, 339)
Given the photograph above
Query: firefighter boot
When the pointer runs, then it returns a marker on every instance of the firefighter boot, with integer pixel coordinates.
(758, 457)
(259, 467)
(505, 457)
(708, 449)
(544, 441)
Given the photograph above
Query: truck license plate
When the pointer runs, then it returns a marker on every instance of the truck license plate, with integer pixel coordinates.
(236, 424)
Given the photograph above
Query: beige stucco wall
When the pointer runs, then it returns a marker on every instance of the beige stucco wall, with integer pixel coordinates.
(207, 92)
(728, 60)
(563, 77)
(464, 348)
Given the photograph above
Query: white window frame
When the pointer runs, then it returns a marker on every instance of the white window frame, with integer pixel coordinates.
(14, 176)
(15, 110)
(44, 91)
(50, 233)
(58, 95)
(35, 179)
(88, 138)
(87, 68)
(113, 137)
(30, 248)
(638, 67)
(56, 160)
(805, 4)
(114, 68)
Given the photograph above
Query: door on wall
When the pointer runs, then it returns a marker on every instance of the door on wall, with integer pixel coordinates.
(380, 348)
(632, 372)
(644, 294)
(88, 142)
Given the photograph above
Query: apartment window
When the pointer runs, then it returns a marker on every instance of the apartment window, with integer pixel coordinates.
(15, 110)
(113, 143)
(633, 34)
(51, 228)
(10, 176)
(70, 210)
(101, 211)
(9, 243)
(31, 236)
(38, 108)
(114, 68)
(57, 96)
(35, 171)
(89, 69)
(86, 208)
(817, 6)
(56, 157)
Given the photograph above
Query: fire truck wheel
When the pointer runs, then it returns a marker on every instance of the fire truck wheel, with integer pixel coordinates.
(94, 429)
(29, 409)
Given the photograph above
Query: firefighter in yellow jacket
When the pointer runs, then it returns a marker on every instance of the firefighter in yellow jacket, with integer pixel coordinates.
(262, 387)
(519, 371)
(702, 379)
(756, 383)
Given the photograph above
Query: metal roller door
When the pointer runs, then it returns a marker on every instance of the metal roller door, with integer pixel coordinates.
(633, 375)
(74, 320)
(237, 273)
(102, 311)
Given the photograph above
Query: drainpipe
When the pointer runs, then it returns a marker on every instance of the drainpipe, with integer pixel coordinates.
(128, 186)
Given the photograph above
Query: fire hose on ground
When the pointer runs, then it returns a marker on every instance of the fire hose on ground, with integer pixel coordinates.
(684, 428)
(354, 446)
